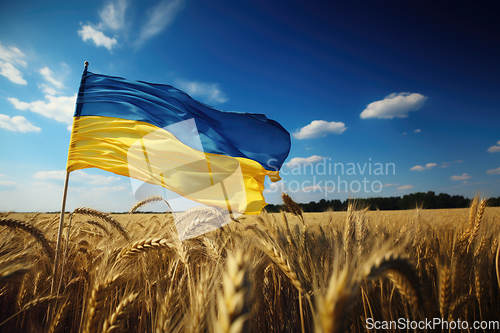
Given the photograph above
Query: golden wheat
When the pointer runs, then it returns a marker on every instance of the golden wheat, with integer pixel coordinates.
(285, 272)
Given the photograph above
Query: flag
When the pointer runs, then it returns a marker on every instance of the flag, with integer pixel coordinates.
(160, 135)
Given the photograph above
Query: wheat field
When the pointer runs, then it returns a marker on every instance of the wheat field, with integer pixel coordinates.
(288, 272)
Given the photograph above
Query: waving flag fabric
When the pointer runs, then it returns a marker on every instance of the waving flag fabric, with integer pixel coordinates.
(160, 135)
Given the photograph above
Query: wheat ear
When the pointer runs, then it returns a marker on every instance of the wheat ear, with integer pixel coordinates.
(96, 302)
(394, 264)
(233, 307)
(472, 220)
(34, 231)
(148, 200)
(117, 318)
(277, 257)
(105, 217)
(479, 217)
(349, 229)
(99, 226)
(332, 307)
(143, 246)
(444, 291)
(291, 206)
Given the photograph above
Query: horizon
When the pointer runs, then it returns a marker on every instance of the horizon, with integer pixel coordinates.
(414, 85)
(157, 204)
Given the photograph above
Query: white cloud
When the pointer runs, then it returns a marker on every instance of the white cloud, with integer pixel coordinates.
(84, 177)
(78, 176)
(109, 189)
(8, 58)
(12, 55)
(17, 124)
(388, 185)
(47, 90)
(113, 15)
(428, 166)
(99, 38)
(493, 171)
(495, 149)
(318, 128)
(404, 133)
(7, 183)
(394, 105)
(447, 164)
(60, 108)
(303, 160)
(12, 73)
(160, 17)
(417, 131)
(405, 187)
(47, 74)
(462, 177)
(207, 92)
(50, 175)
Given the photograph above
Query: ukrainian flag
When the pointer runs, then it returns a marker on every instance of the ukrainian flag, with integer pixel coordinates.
(160, 135)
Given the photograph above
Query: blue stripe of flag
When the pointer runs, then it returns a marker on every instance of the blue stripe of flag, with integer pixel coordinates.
(248, 135)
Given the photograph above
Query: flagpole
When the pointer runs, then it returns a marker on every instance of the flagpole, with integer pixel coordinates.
(61, 219)
(59, 233)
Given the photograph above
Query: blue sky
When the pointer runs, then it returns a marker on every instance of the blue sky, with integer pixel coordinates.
(408, 84)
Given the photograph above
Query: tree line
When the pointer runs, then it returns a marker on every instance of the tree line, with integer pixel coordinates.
(427, 200)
